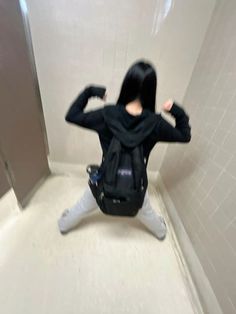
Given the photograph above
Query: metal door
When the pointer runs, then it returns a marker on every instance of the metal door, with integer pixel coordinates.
(22, 128)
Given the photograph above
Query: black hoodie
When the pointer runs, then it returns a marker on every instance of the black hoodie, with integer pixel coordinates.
(147, 128)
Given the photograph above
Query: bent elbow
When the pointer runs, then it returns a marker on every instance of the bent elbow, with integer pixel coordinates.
(188, 138)
(68, 118)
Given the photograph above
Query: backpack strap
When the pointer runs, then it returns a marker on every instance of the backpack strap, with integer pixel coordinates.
(113, 147)
(137, 155)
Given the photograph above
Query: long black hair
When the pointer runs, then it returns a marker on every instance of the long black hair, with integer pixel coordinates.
(139, 83)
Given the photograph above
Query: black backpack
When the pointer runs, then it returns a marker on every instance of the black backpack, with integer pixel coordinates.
(119, 184)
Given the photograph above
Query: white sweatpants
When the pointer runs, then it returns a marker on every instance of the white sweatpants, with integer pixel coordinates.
(87, 203)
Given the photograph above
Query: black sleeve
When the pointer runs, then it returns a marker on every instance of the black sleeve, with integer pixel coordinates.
(182, 130)
(92, 119)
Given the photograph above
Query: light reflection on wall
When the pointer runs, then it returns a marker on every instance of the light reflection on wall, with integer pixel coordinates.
(23, 6)
(163, 8)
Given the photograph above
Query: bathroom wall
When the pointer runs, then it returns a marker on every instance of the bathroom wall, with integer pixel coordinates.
(201, 176)
(81, 42)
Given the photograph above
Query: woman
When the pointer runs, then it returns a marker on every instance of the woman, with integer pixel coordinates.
(136, 101)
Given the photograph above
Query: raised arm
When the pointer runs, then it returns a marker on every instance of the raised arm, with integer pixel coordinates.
(92, 119)
(182, 130)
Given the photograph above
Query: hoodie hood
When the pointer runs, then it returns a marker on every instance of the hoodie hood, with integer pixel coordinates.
(130, 130)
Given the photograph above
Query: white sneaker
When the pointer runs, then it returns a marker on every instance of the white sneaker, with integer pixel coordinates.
(61, 221)
(164, 229)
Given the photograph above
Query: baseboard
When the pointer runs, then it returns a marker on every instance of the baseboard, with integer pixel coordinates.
(202, 293)
(67, 169)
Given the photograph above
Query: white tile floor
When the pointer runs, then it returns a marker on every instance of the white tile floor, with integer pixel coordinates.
(107, 265)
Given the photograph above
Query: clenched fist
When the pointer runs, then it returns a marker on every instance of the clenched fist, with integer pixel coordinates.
(167, 105)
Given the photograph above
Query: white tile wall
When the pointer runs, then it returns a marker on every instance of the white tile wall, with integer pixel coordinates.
(203, 187)
(81, 42)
